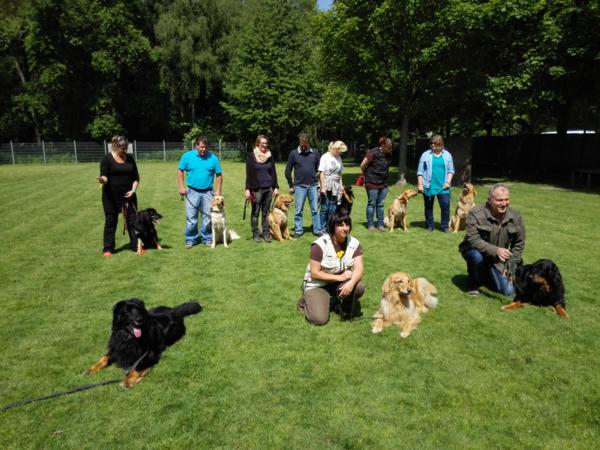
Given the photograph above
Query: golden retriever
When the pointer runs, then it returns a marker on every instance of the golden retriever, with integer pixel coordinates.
(397, 211)
(277, 218)
(403, 299)
(466, 202)
(220, 233)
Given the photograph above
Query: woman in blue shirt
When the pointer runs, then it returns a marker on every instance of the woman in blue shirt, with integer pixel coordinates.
(434, 177)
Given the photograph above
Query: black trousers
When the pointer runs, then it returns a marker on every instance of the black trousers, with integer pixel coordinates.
(113, 206)
(263, 198)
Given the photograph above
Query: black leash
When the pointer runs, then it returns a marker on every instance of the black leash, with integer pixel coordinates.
(83, 387)
(273, 202)
(245, 206)
(125, 212)
(202, 213)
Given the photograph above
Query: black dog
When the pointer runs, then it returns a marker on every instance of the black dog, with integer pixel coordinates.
(139, 336)
(345, 205)
(145, 230)
(539, 284)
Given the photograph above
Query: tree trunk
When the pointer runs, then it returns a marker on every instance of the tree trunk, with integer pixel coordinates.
(36, 128)
(403, 150)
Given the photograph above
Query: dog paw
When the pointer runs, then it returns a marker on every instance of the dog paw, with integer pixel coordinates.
(404, 334)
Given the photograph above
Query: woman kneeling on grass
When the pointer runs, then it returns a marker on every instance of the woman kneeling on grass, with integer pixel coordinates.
(333, 276)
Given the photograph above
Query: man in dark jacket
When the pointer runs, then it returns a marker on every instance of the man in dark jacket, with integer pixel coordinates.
(495, 235)
(304, 161)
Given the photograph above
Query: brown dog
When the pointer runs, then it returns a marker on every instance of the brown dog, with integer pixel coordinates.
(402, 299)
(466, 202)
(397, 211)
(277, 218)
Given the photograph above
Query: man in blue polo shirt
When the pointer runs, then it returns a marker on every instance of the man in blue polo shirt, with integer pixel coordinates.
(201, 166)
(304, 161)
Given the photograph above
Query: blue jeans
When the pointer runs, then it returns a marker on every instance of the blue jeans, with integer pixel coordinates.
(444, 201)
(328, 206)
(375, 202)
(301, 192)
(198, 202)
(479, 266)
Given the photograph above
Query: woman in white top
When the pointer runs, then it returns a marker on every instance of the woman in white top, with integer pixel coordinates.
(333, 277)
(330, 181)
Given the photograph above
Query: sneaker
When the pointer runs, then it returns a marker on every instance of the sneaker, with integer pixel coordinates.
(473, 292)
(297, 235)
(207, 243)
(189, 245)
(267, 237)
(430, 230)
(381, 228)
(371, 228)
(107, 254)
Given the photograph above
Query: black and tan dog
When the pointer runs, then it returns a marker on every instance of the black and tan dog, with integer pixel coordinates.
(139, 336)
(145, 231)
(539, 284)
(347, 200)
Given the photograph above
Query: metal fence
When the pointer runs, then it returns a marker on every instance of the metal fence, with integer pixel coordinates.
(82, 152)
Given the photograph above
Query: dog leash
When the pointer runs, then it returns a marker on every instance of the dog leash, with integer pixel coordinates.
(125, 210)
(194, 206)
(83, 387)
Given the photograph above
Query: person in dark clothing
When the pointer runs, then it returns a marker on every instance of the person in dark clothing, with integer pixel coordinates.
(304, 161)
(120, 179)
(376, 168)
(261, 185)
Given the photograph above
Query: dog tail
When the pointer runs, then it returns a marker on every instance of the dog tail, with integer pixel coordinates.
(431, 301)
(232, 235)
(189, 308)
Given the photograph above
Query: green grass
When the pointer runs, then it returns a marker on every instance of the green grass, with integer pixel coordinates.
(251, 373)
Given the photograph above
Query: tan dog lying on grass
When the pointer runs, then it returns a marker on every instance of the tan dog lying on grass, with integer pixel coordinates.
(277, 218)
(467, 201)
(397, 211)
(220, 233)
(402, 299)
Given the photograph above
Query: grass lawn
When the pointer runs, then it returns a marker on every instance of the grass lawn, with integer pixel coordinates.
(251, 373)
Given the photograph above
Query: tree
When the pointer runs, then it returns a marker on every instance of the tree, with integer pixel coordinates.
(193, 50)
(269, 85)
(387, 50)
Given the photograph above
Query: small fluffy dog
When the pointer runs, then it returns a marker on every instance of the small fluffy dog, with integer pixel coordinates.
(467, 201)
(220, 233)
(347, 200)
(145, 231)
(277, 218)
(397, 211)
(140, 336)
(402, 299)
(539, 284)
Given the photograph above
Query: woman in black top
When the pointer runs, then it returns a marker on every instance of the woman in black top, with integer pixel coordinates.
(120, 179)
(261, 185)
(376, 168)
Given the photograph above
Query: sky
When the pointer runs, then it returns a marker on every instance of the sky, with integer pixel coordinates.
(324, 5)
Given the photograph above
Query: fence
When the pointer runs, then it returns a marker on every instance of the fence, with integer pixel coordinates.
(83, 152)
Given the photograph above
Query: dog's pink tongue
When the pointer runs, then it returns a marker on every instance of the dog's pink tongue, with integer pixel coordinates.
(137, 332)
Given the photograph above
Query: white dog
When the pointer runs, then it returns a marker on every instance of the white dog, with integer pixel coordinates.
(220, 233)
